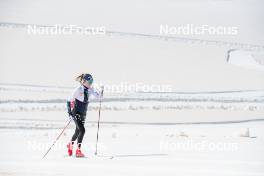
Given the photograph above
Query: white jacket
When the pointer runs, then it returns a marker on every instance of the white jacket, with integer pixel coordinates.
(78, 94)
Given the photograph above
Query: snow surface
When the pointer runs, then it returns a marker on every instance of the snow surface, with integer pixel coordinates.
(137, 149)
(199, 137)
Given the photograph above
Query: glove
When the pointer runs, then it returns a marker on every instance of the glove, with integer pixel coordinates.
(70, 114)
(70, 117)
(102, 91)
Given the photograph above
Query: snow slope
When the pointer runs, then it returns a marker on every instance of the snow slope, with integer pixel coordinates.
(184, 64)
(205, 139)
(247, 59)
(139, 149)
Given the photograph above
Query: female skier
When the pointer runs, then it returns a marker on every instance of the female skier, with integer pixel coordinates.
(77, 106)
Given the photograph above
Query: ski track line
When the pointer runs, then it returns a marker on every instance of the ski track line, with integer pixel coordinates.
(230, 45)
(40, 125)
(18, 86)
(176, 158)
(176, 100)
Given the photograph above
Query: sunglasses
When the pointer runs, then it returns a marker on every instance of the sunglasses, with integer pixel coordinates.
(90, 80)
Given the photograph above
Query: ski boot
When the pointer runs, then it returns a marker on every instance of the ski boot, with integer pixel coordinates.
(70, 146)
(79, 153)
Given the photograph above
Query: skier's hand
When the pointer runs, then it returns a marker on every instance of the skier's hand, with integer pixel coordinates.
(70, 115)
(102, 92)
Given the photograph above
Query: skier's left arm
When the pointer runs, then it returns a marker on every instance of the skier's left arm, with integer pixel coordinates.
(95, 93)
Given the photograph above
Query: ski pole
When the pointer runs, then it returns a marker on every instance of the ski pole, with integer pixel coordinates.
(98, 122)
(57, 138)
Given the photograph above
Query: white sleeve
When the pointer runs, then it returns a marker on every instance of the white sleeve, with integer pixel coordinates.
(94, 93)
(74, 94)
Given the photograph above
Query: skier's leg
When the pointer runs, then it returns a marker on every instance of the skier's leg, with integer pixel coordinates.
(76, 134)
(74, 137)
(80, 138)
(80, 123)
(81, 134)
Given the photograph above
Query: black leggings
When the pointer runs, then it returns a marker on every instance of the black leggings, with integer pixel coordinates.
(79, 130)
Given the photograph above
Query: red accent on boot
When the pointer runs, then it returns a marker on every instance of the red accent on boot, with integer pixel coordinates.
(69, 146)
(79, 153)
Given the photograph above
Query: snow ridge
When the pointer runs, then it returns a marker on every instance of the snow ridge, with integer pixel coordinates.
(219, 43)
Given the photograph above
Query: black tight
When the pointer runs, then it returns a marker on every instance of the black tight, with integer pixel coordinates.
(79, 130)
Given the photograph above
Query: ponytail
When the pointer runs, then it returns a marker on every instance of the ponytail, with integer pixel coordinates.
(80, 78)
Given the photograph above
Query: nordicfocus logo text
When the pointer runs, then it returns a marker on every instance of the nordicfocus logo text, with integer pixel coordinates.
(191, 29)
(65, 30)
